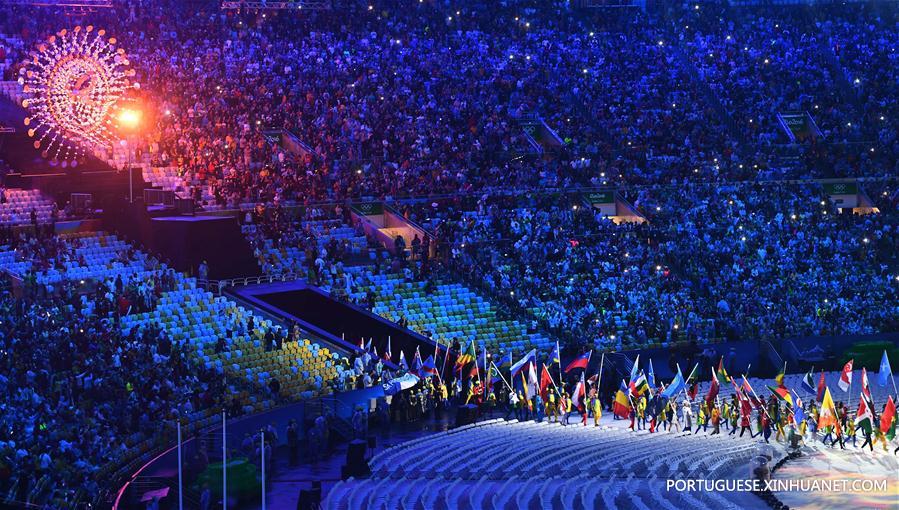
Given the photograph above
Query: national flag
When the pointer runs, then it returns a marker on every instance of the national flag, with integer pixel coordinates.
(402, 364)
(866, 390)
(367, 344)
(886, 373)
(492, 377)
(693, 390)
(821, 387)
(750, 393)
(779, 378)
(505, 362)
(533, 385)
(635, 369)
(651, 376)
(807, 383)
(865, 417)
(362, 346)
(676, 386)
(692, 375)
(639, 386)
(555, 355)
(846, 377)
(782, 394)
(428, 368)
(579, 392)
(798, 412)
(374, 351)
(495, 375)
(828, 414)
(416, 361)
(516, 368)
(888, 419)
(713, 389)
(545, 381)
(722, 373)
(388, 353)
(465, 357)
(622, 405)
(480, 366)
(580, 362)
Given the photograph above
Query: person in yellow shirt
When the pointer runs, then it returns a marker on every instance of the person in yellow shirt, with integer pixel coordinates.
(551, 410)
(597, 411)
(641, 412)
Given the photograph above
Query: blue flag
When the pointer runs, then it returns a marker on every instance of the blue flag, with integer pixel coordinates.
(677, 385)
(885, 371)
(635, 369)
(651, 375)
(554, 356)
(808, 384)
(530, 356)
(798, 411)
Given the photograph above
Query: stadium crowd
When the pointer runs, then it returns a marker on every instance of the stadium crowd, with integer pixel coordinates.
(777, 261)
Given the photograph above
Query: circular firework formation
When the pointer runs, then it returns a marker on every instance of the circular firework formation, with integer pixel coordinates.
(73, 85)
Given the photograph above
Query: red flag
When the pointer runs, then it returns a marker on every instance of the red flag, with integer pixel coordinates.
(846, 376)
(713, 389)
(580, 362)
(888, 415)
(545, 381)
(694, 388)
(821, 387)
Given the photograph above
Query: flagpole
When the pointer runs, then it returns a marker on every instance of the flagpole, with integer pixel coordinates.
(562, 380)
(599, 376)
(501, 376)
(762, 402)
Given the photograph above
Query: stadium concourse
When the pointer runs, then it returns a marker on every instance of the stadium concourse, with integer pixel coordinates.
(676, 223)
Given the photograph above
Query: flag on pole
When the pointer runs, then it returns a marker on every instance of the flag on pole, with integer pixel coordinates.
(866, 390)
(622, 405)
(808, 384)
(722, 373)
(713, 389)
(545, 381)
(779, 378)
(580, 362)
(639, 386)
(885, 371)
(888, 419)
(428, 368)
(846, 377)
(798, 412)
(865, 417)
(465, 357)
(480, 366)
(821, 387)
(533, 385)
(416, 361)
(828, 415)
(651, 377)
(495, 375)
(554, 356)
(505, 361)
(676, 386)
(635, 369)
(516, 368)
(579, 392)
(782, 394)
(388, 354)
(402, 364)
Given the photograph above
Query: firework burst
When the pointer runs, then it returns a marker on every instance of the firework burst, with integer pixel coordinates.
(74, 84)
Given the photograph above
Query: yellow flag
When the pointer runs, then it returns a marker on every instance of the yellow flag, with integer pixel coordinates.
(828, 416)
